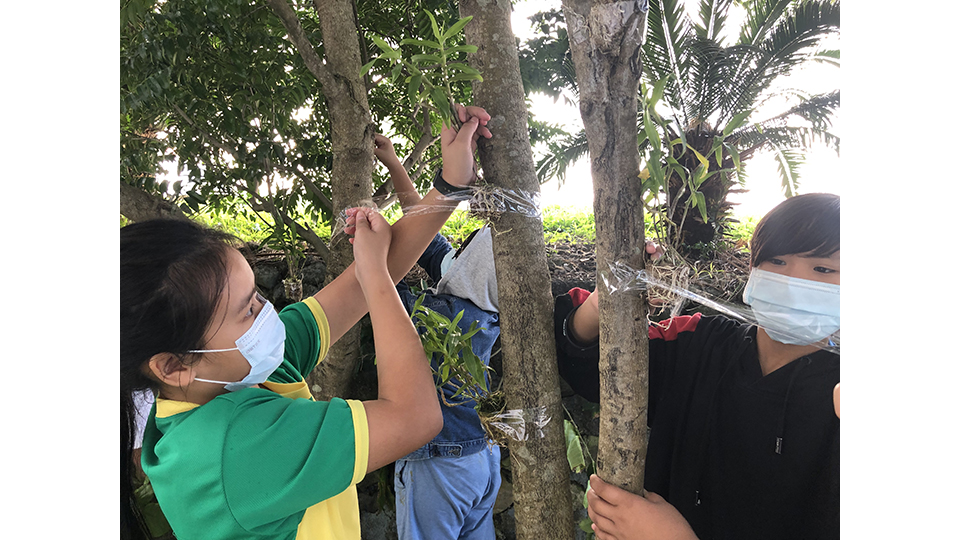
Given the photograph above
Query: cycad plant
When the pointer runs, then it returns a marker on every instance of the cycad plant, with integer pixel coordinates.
(704, 89)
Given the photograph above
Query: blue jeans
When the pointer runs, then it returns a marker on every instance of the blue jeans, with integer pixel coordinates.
(448, 498)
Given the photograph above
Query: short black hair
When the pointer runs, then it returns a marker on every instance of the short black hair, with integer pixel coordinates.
(806, 224)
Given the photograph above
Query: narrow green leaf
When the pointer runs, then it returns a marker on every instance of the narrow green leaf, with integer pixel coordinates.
(460, 66)
(384, 46)
(413, 87)
(574, 450)
(735, 122)
(436, 29)
(421, 42)
(455, 29)
(426, 59)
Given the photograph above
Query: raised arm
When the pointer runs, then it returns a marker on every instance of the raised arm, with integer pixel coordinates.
(406, 413)
(402, 184)
(342, 299)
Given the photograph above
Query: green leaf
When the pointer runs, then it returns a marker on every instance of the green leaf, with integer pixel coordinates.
(463, 77)
(436, 29)
(651, 131)
(366, 67)
(426, 59)
(421, 42)
(455, 29)
(735, 122)
(413, 87)
(384, 46)
(460, 66)
(658, 88)
(439, 99)
(574, 450)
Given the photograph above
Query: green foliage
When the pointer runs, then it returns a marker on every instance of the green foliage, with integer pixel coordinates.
(699, 121)
(457, 364)
(429, 68)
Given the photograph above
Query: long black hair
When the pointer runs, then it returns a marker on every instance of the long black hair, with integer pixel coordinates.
(806, 224)
(171, 276)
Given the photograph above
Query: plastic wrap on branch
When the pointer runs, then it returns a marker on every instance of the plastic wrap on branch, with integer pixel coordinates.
(516, 424)
(622, 278)
(484, 201)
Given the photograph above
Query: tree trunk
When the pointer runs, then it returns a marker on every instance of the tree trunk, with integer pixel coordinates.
(352, 131)
(138, 205)
(605, 39)
(541, 475)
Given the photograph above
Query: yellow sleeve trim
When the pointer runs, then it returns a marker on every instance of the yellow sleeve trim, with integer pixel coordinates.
(322, 324)
(361, 435)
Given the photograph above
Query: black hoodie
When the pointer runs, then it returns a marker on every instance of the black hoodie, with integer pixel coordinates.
(739, 454)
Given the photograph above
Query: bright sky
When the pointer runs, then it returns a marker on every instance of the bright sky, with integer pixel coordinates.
(820, 173)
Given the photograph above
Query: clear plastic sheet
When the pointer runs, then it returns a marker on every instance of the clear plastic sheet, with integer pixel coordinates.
(622, 278)
(484, 200)
(516, 424)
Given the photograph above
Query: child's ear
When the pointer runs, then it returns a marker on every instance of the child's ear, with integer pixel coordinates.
(168, 369)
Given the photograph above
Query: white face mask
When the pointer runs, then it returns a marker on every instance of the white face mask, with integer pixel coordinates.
(793, 311)
(261, 346)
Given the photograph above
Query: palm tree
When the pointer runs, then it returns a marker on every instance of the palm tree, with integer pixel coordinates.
(702, 100)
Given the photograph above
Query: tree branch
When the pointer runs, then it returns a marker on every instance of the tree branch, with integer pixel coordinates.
(304, 232)
(299, 39)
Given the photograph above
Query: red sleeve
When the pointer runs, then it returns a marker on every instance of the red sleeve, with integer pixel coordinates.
(669, 329)
(578, 296)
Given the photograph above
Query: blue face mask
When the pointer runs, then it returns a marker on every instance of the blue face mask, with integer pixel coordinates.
(261, 346)
(793, 311)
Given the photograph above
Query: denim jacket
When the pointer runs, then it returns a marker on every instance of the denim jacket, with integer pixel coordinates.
(462, 433)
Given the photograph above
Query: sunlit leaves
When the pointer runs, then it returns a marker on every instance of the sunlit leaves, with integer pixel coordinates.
(432, 68)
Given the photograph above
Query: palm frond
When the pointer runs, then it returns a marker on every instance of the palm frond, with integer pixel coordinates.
(761, 18)
(817, 111)
(666, 49)
(758, 138)
(788, 167)
(713, 16)
(786, 45)
(560, 155)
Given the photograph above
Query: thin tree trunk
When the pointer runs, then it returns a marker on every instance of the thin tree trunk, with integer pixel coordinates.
(352, 131)
(605, 39)
(541, 475)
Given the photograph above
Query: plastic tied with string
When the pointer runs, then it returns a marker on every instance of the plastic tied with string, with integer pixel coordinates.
(516, 424)
(484, 201)
(622, 278)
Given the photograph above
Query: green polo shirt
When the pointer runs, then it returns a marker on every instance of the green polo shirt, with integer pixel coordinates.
(259, 463)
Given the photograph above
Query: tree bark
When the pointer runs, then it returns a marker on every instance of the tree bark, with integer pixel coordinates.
(605, 39)
(138, 205)
(352, 131)
(541, 475)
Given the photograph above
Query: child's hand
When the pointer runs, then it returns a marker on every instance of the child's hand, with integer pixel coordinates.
(385, 151)
(620, 515)
(457, 147)
(653, 250)
(370, 243)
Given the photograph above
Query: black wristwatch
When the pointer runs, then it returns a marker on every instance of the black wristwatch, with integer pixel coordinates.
(446, 189)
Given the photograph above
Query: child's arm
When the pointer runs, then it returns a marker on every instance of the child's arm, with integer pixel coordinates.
(402, 184)
(584, 324)
(342, 300)
(406, 413)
